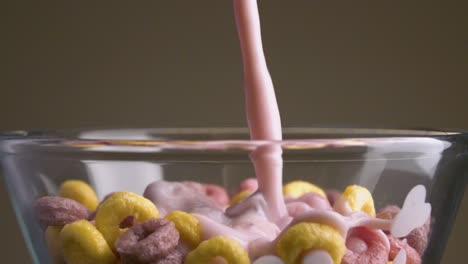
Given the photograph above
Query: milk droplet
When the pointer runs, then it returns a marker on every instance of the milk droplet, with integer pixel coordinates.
(400, 257)
(268, 259)
(317, 257)
(413, 214)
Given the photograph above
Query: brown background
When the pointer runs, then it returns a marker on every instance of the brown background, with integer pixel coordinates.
(176, 63)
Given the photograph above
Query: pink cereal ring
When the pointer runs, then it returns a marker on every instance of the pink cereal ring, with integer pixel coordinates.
(365, 246)
(418, 238)
(296, 209)
(388, 212)
(412, 257)
(217, 193)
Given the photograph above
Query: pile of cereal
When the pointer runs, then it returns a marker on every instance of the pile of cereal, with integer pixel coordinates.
(189, 222)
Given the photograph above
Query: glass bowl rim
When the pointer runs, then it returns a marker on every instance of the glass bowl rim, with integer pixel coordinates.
(152, 140)
(368, 132)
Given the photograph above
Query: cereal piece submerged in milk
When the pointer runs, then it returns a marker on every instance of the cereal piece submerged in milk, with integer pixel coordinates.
(398, 245)
(171, 196)
(418, 238)
(366, 246)
(268, 259)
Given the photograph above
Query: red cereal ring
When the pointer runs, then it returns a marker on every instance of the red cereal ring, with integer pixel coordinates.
(217, 193)
(365, 246)
(418, 238)
(412, 257)
(388, 212)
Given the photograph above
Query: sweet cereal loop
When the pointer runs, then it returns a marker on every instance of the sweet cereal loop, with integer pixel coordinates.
(83, 244)
(300, 238)
(296, 189)
(117, 208)
(220, 246)
(359, 199)
(80, 192)
(187, 225)
(240, 196)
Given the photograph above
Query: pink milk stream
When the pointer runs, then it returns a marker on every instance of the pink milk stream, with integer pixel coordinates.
(258, 221)
(262, 109)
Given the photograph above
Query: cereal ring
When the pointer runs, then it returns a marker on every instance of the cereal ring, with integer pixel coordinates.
(170, 196)
(296, 189)
(355, 198)
(187, 225)
(217, 193)
(418, 238)
(81, 192)
(117, 208)
(219, 246)
(240, 196)
(365, 246)
(52, 237)
(58, 211)
(296, 209)
(83, 244)
(300, 238)
(412, 257)
(149, 241)
(388, 212)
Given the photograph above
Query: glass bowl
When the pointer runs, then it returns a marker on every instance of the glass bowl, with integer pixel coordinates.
(389, 163)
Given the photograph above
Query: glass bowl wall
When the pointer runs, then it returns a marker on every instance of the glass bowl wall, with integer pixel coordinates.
(387, 162)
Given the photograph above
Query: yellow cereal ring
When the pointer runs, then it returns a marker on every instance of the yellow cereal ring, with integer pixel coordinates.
(220, 246)
(83, 244)
(187, 225)
(359, 199)
(81, 192)
(52, 237)
(296, 189)
(303, 237)
(119, 206)
(240, 196)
